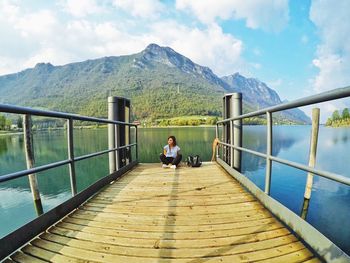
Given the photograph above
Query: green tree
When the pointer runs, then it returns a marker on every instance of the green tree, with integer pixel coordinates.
(335, 115)
(345, 113)
(20, 122)
(2, 122)
(8, 124)
(329, 122)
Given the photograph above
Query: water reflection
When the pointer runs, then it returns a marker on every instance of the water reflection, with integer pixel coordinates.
(255, 139)
(3, 144)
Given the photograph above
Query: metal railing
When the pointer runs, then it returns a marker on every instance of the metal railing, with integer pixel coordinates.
(70, 142)
(323, 97)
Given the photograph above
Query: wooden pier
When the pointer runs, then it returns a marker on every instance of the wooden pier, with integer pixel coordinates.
(152, 214)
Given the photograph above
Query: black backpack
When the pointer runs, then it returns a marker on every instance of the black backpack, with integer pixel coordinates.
(194, 161)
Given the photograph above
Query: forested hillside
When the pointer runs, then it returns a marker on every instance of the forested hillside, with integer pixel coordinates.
(160, 82)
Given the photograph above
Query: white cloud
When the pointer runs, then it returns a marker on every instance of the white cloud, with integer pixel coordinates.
(61, 42)
(45, 36)
(333, 53)
(270, 15)
(81, 8)
(40, 24)
(144, 8)
(209, 47)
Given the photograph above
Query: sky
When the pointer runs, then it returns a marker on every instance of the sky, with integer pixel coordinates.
(297, 47)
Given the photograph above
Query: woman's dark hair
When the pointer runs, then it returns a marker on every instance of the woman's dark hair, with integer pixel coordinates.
(174, 139)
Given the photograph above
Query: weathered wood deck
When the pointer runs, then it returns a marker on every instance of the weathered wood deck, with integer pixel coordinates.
(162, 215)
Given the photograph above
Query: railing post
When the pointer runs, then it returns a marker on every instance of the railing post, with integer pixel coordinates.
(217, 136)
(268, 152)
(111, 134)
(226, 113)
(137, 145)
(117, 145)
(30, 160)
(237, 130)
(312, 160)
(126, 128)
(70, 142)
(232, 143)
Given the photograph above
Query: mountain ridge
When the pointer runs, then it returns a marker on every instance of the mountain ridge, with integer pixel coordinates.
(150, 78)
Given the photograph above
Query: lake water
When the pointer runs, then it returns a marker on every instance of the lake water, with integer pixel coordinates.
(329, 206)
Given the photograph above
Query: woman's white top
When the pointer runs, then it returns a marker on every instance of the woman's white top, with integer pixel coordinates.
(171, 151)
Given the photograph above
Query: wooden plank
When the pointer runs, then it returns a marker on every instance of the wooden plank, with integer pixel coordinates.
(173, 203)
(159, 226)
(298, 256)
(188, 252)
(50, 256)
(313, 260)
(183, 195)
(168, 232)
(179, 210)
(106, 256)
(163, 197)
(20, 257)
(283, 234)
(167, 219)
(242, 205)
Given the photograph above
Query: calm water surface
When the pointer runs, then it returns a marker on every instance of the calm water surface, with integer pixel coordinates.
(330, 202)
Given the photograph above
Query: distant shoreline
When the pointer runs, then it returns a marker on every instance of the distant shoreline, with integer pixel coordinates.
(151, 127)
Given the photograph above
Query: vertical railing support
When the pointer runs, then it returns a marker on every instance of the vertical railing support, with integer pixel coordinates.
(117, 145)
(268, 152)
(237, 130)
(70, 142)
(232, 143)
(217, 146)
(30, 160)
(226, 113)
(312, 160)
(126, 128)
(137, 144)
(111, 134)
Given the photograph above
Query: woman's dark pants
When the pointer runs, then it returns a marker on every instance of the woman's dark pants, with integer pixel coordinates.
(168, 160)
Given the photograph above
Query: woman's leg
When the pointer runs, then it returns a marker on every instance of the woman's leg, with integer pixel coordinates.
(177, 160)
(163, 159)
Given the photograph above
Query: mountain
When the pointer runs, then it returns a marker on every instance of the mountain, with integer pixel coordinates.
(259, 95)
(255, 91)
(153, 79)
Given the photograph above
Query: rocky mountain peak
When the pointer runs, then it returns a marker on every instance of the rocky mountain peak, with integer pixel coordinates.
(169, 57)
(250, 86)
(44, 67)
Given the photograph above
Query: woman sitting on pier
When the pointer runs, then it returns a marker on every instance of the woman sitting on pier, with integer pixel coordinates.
(171, 154)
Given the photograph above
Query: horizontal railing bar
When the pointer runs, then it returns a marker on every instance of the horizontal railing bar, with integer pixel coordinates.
(332, 176)
(245, 150)
(15, 175)
(102, 152)
(55, 114)
(322, 97)
(7, 177)
(90, 155)
(125, 146)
